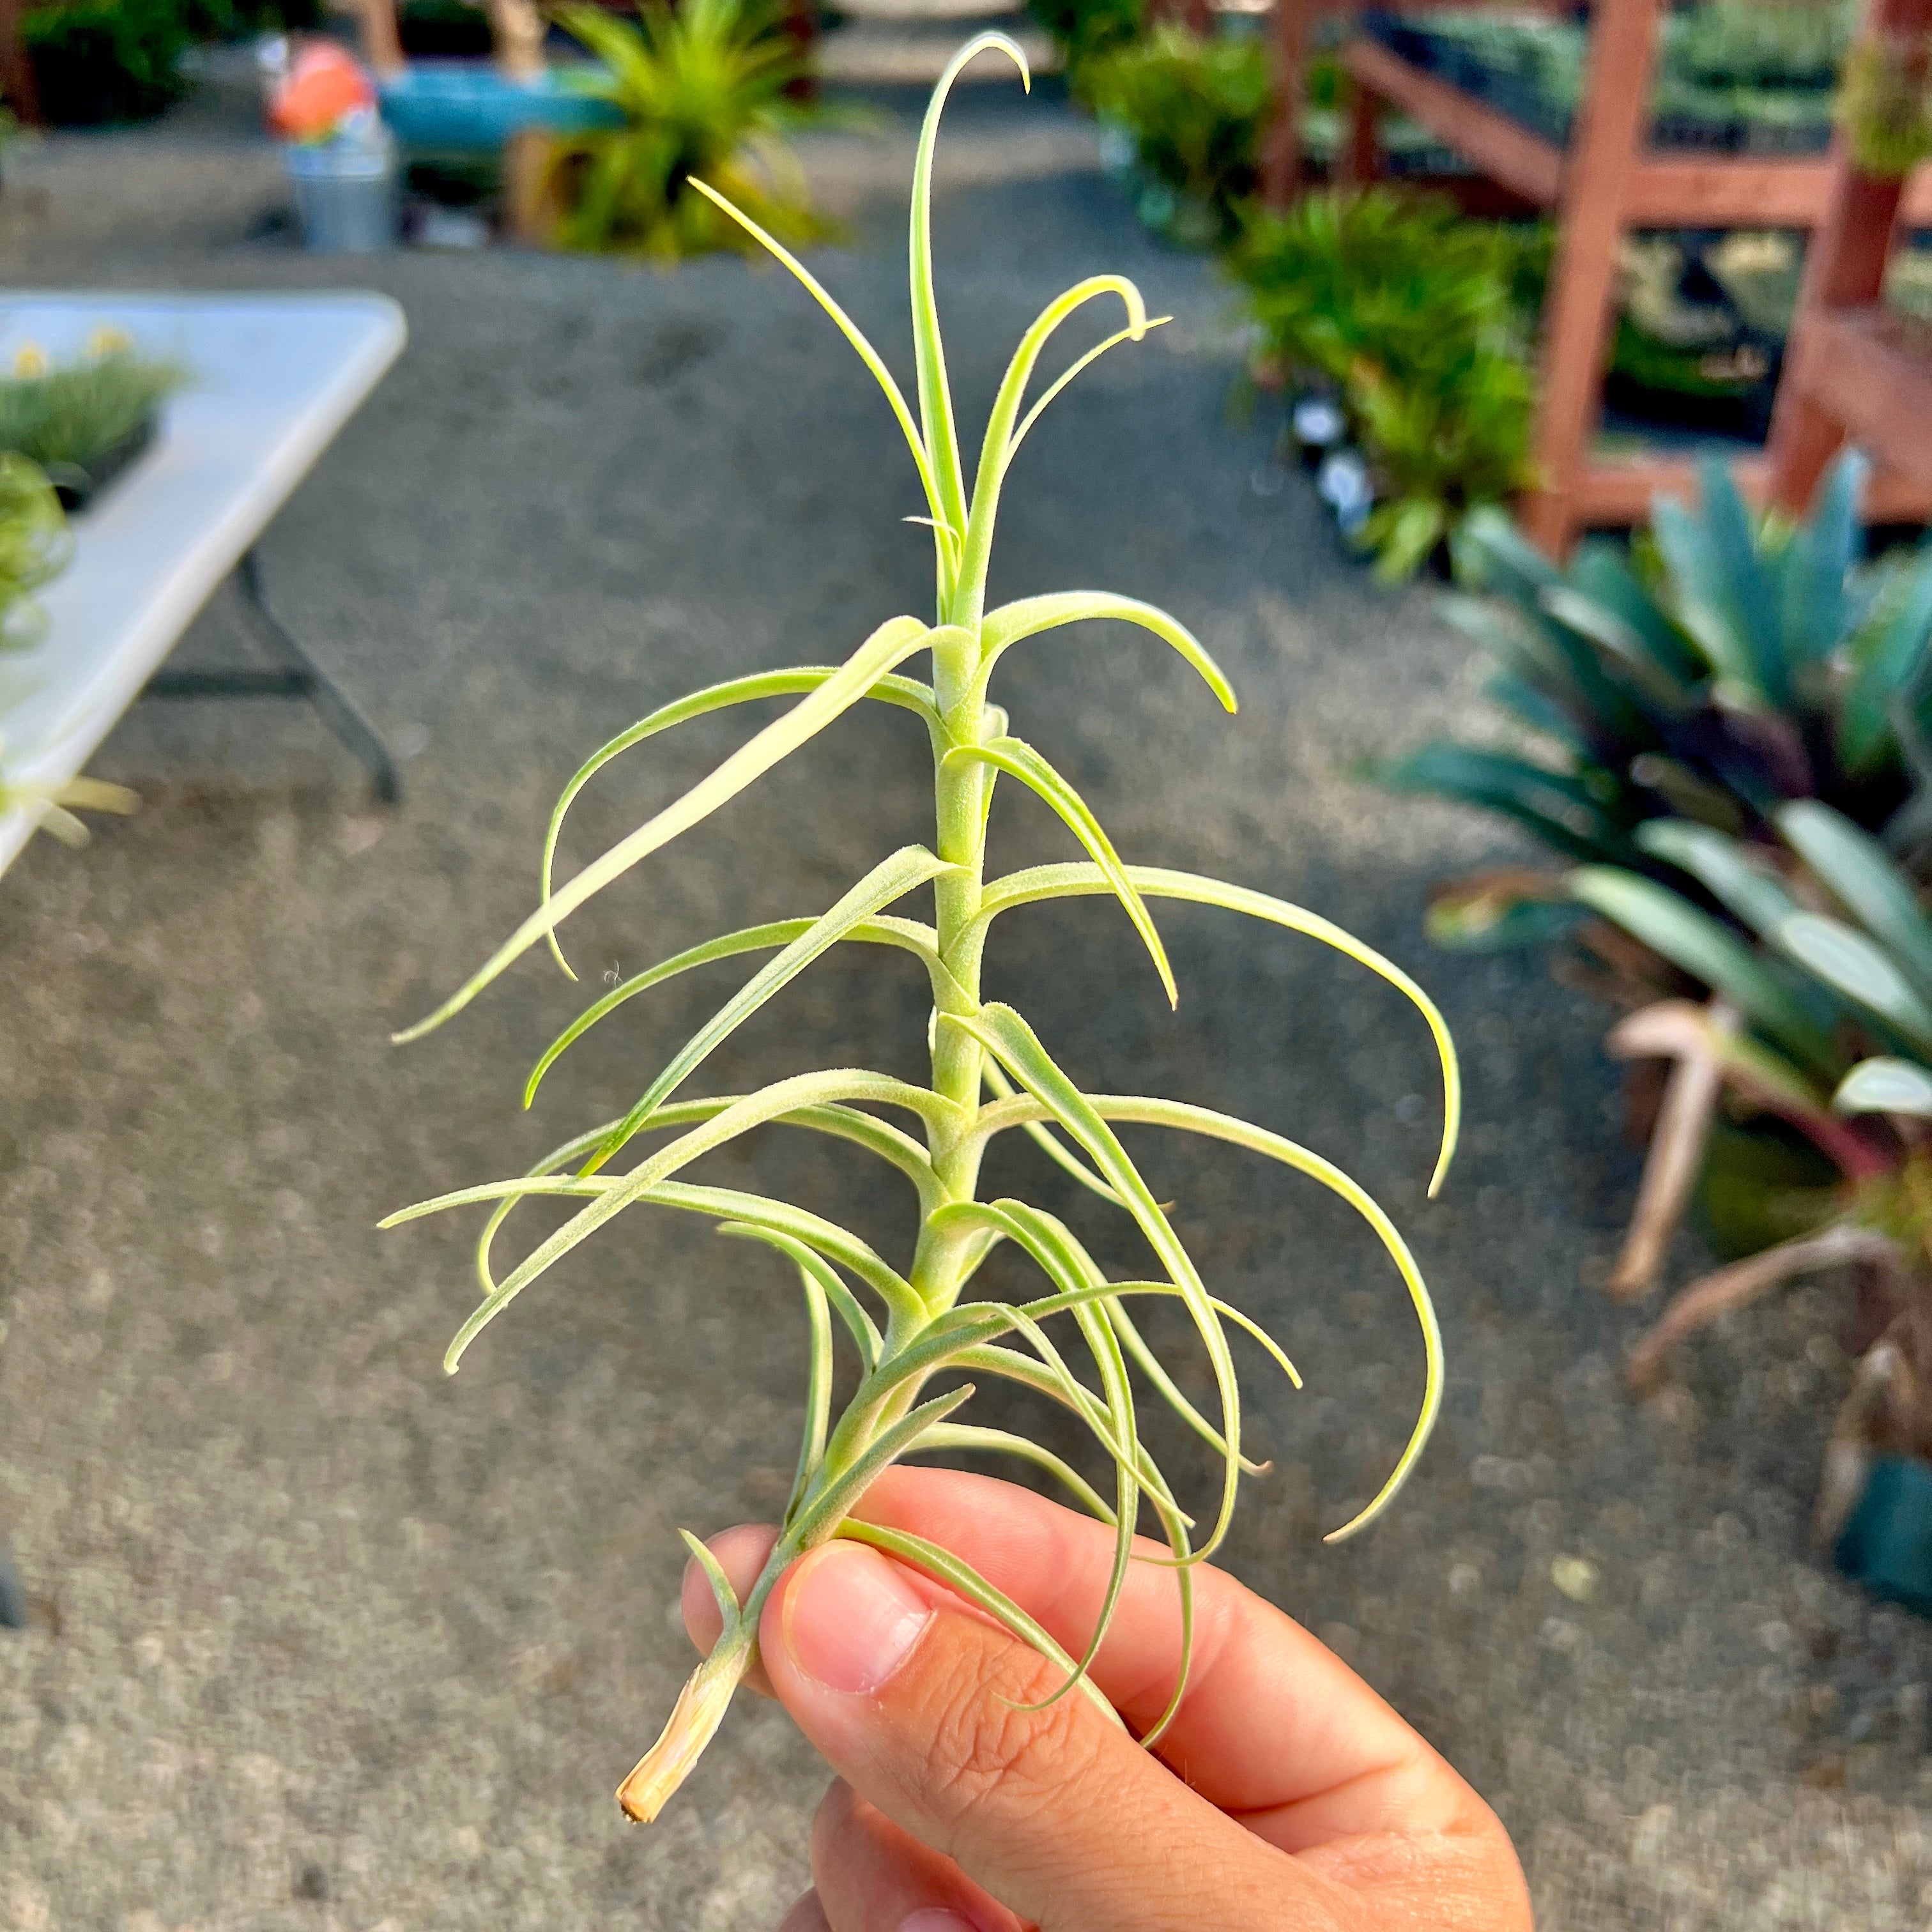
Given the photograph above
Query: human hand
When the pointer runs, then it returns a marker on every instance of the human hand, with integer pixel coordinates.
(1286, 1794)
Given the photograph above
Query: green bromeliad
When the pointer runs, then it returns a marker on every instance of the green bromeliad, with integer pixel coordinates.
(990, 1074)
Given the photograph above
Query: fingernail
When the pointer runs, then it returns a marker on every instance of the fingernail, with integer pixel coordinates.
(850, 1618)
(936, 1918)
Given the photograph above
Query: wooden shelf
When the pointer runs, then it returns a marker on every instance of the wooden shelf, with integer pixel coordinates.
(1503, 149)
(1865, 369)
(1667, 190)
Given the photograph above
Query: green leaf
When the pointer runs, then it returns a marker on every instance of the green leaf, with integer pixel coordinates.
(1205, 1120)
(1006, 1035)
(1850, 963)
(1019, 759)
(892, 878)
(935, 501)
(1554, 806)
(1706, 606)
(1823, 551)
(1601, 573)
(891, 690)
(1056, 882)
(781, 1096)
(841, 1482)
(1723, 866)
(893, 642)
(935, 399)
(1885, 1087)
(996, 450)
(1011, 622)
(858, 1323)
(818, 1382)
(920, 940)
(728, 1606)
(1627, 649)
(1858, 871)
(1884, 661)
(1044, 1138)
(1694, 942)
(958, 1437)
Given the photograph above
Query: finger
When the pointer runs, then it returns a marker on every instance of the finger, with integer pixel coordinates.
(807, 1915)
(741, 1553)
(919, 1703)
(874, 1877)
(1274, 1727)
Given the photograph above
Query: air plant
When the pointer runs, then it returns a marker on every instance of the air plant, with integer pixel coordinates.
(991, 1073)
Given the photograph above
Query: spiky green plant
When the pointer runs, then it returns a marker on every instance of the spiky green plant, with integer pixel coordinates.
(978, 1048)
(702, 91)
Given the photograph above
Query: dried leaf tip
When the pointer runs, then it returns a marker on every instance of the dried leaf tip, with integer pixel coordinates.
(695, 1719)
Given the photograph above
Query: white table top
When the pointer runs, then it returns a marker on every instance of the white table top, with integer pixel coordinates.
(272, 379)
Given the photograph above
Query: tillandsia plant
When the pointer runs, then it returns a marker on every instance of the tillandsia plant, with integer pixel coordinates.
(990, 1074)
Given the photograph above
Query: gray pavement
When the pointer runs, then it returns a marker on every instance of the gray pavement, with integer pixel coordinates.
(321, 1640)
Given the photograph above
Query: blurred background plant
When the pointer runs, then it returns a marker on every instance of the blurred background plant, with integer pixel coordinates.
(702, 91)
(1414, 319)
(78, 420)
(1725, 735)
(35, 546)
(1194, 107)
(1085, 30)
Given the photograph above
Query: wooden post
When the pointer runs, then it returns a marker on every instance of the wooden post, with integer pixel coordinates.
(16, 71)
(1288, 60)
(1358, 161)
(1612, 123)
(530, 212)
(1844, 267)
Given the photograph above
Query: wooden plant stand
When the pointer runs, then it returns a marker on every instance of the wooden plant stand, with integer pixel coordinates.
(1606, 180)
(1852, 369)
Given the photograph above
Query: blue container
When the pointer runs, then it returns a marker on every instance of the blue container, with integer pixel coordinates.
(1887, 1544)
(468, 107)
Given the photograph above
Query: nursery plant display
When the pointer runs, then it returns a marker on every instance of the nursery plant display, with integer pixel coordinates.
(1818, 1016)
(97, 61)
(1411, 317)
(35, 546)
(1194, 107)
(35, 549)
(82, 421)
(702, 92)
(1731, 75)
(1085, 30)
(1732, 666)
(990, 1073)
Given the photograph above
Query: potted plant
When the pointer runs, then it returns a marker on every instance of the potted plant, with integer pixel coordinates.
(912, 1323)
(84, 421)
(35, 549)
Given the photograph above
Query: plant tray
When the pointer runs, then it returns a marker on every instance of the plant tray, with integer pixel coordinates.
(1674, 127)
(77, 485)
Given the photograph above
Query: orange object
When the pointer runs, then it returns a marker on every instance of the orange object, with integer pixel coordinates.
(325, 86)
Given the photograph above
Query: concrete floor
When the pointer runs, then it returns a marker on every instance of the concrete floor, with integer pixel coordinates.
(322, 1639)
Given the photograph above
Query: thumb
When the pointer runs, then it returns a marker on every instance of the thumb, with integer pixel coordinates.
(917, 1701)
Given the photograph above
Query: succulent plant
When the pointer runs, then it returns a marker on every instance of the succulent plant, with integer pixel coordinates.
(1746, 663)
(990, 1074)
(1818, 1013)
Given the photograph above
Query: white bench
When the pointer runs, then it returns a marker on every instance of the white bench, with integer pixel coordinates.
(271, 379)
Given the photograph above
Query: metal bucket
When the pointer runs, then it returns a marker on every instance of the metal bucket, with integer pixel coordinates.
(345, 194)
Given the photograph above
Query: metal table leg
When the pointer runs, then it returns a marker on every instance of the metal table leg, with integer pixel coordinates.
(302, 678)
